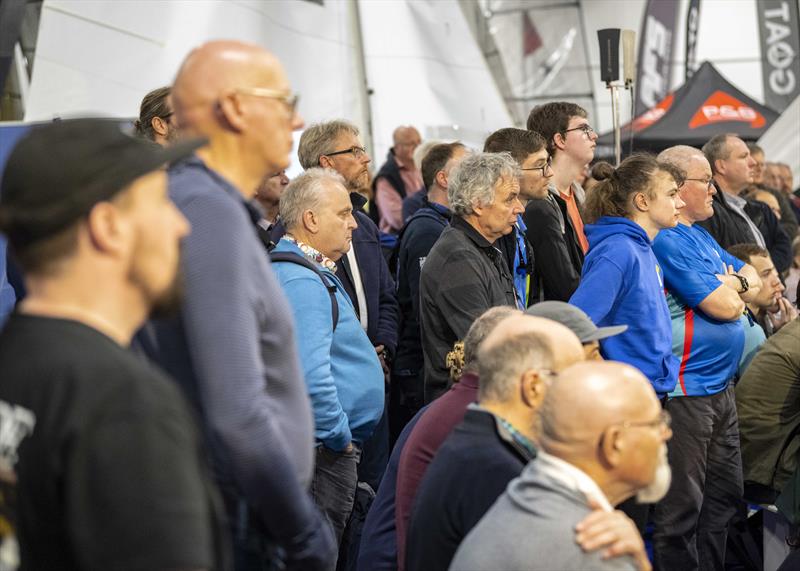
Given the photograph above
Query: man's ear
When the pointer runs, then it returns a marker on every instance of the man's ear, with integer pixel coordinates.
(107, 230)
(560, 141)
(159, 126)
(229, 107)
(441, 179)
(719, 167)
(325, 162)
(533, 388)
(310, 221)
(612, 446)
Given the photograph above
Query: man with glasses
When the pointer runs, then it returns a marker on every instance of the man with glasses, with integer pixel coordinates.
(738, 220)
(517, 364)
(397, 179)
(528, 150)
(232, 346)
(602, 439)
(363, 270)
(555, 225)
(707, 289)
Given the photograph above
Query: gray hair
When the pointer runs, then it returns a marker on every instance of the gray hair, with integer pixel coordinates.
(501, 364)
(472, 182)
(305, 193)
(318, 140)
(679, 156)
(480, 328)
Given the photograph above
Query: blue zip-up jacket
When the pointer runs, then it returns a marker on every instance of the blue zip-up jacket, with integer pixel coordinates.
(343, 375)
(622, 283)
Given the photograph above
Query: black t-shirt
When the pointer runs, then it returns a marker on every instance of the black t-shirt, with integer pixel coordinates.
(110, 473)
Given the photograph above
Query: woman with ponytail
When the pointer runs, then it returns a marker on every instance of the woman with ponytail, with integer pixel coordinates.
(622, 282)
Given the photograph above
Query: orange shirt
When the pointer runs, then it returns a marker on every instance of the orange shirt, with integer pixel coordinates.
(575, 217)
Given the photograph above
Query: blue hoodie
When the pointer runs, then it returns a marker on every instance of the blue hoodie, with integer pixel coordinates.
(622, 283)
(342, 370)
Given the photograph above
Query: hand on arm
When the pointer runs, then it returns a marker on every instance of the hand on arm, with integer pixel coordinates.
(753, 281)
(615, 533)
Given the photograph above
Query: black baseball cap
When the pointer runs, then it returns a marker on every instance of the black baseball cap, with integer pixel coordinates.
(57, 172)
(574, 319)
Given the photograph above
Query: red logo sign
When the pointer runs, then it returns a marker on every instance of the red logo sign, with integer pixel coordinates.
(720, 107)
(653, 114)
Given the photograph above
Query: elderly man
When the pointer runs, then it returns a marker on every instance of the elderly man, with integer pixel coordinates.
(602, 440)
(464, 273)
(707, 289)
(232, 347)
(342, 372)
(414, 244)
(363, 271)
(555, 225)
(529, 151)
(737, 220)
(110, 472)
(494, 441)
(156, 120)
(397, 179)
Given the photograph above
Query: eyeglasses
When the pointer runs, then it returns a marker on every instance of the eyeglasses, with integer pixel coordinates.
(167, 116)
(707, 182)
(586, 128)
(358, 152)
(288, 99)
(664, 421)
(543, 168)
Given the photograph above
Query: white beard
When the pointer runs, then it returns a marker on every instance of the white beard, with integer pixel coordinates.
(659, 487)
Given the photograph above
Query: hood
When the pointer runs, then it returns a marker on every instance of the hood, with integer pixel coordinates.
(609, 226)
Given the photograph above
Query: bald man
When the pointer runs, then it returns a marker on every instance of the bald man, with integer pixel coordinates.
(602, 439)
(516, 364)
(398, 179)
(232, 347)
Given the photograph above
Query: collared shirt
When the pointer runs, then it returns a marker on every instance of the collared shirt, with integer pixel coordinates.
(358, 285)
(573, 478)
(575, 216)
(312, 253)
(737, 203)
(463, 276)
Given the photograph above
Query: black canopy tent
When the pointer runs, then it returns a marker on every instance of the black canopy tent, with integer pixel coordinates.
(705, 106)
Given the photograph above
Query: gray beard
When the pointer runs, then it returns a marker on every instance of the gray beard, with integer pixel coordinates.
(659, 487)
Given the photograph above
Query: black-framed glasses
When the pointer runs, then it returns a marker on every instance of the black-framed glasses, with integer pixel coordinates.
(543, 168)
(708, 182)
(357, 151)
(287, 98)
(586, 128)
(167, 116)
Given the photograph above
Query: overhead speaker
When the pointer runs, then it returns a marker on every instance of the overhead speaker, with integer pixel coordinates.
(609, 54)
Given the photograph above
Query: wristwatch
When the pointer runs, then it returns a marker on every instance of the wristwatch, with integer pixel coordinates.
(743, 282)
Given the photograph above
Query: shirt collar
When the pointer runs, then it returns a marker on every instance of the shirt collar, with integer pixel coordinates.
(312, 254)
(509, 434)
(471, 232)
(573, 478)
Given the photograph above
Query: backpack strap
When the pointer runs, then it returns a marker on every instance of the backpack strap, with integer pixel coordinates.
(293, 258)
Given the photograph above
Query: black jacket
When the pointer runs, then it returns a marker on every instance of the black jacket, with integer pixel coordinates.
(728, 228)
(469, 472)
(556, 249)
(414, 243)
(463, 276)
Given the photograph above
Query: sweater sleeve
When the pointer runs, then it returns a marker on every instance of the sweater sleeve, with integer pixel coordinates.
(311, 308)
(221, 330)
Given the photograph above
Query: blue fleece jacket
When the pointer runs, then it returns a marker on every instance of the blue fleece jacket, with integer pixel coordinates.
(342, 371)
(622, 283)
